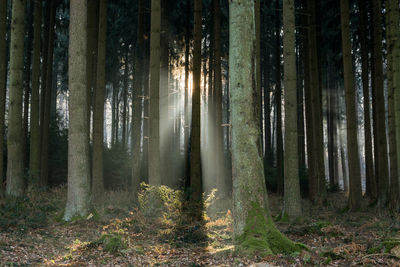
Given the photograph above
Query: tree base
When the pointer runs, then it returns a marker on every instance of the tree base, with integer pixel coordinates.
(261, 236)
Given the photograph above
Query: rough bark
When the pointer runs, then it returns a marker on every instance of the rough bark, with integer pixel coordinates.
(254, 231)
(98, 107)
(15, 160)
(382, 153)
(355, 190)
(3, 82)
(78, 145)
(195, 158)
(292, 200)
(137, 89)
(154, 140)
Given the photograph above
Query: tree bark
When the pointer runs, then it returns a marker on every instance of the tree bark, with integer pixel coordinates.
(195, 158)
(292, 200)
(154, 141)
(15, 162)
(78, 145)
(355, 194)
(98, 108)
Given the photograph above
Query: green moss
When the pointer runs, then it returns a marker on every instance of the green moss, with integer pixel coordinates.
(113, 242)
(261, 236)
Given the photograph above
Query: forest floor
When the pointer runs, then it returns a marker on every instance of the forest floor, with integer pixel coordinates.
(117, 234)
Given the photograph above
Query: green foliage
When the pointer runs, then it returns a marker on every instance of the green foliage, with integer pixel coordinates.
(117, 167)
(113, 242)
(385, 247)
(23, 213)
(261, 236)
(156, 200)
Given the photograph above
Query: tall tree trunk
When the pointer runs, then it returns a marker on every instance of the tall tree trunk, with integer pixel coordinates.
(78, 145)
(278, 101)
(300, 110)
(195, 158)
(267, 109)
(154, 141)
(137, 89)
(27, 79)
(292, 200)
(219, 149)
(15, 160)
(317, 181)
(250, 204)
(351, 113)
(369, 164)
(331, 121)
(394, 100)
(98, 107)
(44, 161)
(382, 163)
(34, 165)
(3, 82)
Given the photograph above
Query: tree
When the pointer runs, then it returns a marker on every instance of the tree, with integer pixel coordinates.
(292, 203)
(137, 89)
(3, 81)
(15, 162)
(34, 164)
(252, 223)
(369, 164)
(98, 110)
(355, 194)
(195, 158)
(154, 141)
(381, 165)
(78, 145)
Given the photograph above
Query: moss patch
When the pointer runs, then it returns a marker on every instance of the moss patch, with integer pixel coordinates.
(261, 236)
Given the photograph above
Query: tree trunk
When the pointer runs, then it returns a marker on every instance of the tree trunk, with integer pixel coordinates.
(317, 181)
(44, 161)
(186, 103)
(137, 112)
(369, 164)
(278, 102)
(15, 162)
(78, 145)
(3, 82)
(355, 194)
(195, 158)
(35, 130)
(394, 87)
(382, 154)
(292, 200)
(154, 141)
(252, 223)
(125, 99)
(98, 107)
(219, 149)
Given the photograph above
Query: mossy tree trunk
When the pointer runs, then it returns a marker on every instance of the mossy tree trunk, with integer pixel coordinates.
(154, 140)
(292, 200)
(195, 158)
(377, 58)
(98, 107)
(3, 82)
(34, 164)
(15, 162)
(78, 141)
(355, 194)
(137, 90)
(254, 231)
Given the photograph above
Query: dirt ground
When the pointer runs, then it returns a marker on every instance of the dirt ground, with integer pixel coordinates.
(119, 234)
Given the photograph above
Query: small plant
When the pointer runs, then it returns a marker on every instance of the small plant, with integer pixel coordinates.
(113, 242)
